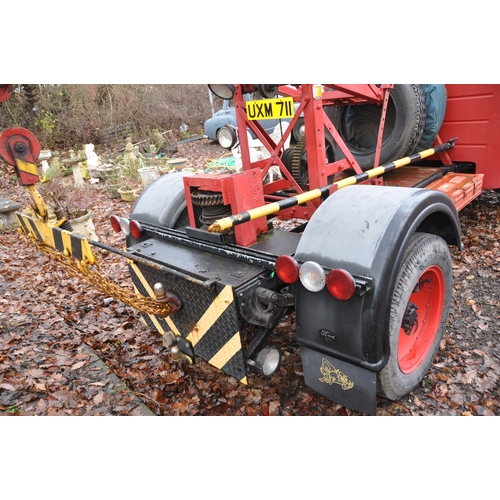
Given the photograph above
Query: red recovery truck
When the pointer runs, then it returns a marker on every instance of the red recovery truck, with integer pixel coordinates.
(366, 269)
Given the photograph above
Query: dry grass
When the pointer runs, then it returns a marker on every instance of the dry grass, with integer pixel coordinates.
(73, 115)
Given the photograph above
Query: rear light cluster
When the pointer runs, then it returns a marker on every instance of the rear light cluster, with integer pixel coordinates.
(313, 277)
(129, 227)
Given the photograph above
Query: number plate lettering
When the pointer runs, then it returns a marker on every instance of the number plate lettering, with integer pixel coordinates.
(269, 109)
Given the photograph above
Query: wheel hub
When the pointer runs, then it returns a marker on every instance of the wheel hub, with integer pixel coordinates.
(410, 318)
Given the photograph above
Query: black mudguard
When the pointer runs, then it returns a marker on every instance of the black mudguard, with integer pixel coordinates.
(364, 230)
(161, 202)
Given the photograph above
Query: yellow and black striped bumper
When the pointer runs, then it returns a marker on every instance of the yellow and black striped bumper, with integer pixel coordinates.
(207, 322)
(70, 244)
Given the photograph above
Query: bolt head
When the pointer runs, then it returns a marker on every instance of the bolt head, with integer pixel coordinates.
(159, 290)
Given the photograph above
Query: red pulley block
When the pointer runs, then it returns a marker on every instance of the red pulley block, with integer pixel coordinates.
(19, 143)
(5, 91)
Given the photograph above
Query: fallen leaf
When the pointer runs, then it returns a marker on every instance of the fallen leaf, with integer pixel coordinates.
(273, 407)
(99, 397)
(78, 365)
(467, 377)
(264, 408)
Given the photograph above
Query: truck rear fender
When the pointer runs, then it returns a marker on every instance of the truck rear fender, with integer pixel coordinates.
(161, 203)
(364, 230)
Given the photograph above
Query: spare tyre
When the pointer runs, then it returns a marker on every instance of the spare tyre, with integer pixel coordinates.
(404, 125)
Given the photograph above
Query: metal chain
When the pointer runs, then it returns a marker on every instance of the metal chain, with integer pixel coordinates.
(80, 269)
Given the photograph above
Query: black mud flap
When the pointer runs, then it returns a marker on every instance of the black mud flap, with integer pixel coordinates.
(341, 382)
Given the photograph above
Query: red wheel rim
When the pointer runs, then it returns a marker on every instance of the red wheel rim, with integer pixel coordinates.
(428, 296)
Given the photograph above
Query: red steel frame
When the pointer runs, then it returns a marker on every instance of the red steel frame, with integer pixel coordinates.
(247, 190)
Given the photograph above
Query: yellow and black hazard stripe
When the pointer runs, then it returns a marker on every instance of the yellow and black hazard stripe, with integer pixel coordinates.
(27, 171)
(208, 320)
(70, 244)
(272, 208)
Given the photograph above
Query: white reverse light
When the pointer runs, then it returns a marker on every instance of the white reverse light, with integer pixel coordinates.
(312, 276)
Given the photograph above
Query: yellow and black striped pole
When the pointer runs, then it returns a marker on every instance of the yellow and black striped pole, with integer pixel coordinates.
(272, 208)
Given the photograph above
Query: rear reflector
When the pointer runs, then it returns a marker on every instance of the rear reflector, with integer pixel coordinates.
(115, 223)
(340, 284)
(287, 269)
(135, 229)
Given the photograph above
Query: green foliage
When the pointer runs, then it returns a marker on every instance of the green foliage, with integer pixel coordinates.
(46, 122)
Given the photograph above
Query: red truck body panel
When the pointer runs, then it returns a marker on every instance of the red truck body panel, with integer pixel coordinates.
(473, 115)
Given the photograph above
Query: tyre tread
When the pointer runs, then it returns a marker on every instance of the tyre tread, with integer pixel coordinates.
(392, 384)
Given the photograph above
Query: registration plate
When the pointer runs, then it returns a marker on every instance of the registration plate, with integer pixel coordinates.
(270, 109)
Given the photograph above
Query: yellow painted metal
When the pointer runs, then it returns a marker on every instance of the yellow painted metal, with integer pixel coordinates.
(26, 166)
(151, 293)
(39, 206)
(172, 326)
(227, 351)
(218, 306)
(45, 233)
(63, 251)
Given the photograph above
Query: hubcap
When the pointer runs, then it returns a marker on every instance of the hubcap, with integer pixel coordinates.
(418, 329)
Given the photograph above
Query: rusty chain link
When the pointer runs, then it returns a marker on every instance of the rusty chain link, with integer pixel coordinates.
(80, 269)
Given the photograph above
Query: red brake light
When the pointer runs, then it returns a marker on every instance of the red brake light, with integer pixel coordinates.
(115, 223)
(287, 269)
(135, 229)
(340, 284)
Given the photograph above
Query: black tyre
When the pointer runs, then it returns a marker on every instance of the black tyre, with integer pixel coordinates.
(298, 131)
(419, 312)
(404, 125)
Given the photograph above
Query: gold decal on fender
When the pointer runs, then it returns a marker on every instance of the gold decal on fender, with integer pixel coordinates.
(332, 375)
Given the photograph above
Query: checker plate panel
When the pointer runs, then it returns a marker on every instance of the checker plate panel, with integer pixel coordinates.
(208, 318)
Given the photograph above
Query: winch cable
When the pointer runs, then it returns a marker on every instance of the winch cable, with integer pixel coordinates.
(272, 208)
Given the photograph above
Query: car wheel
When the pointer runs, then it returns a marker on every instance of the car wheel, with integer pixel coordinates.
(419, 312)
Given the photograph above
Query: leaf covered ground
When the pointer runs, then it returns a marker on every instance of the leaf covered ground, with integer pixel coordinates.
(66, 349)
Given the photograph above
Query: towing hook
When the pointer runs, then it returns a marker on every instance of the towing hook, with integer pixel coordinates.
(178, 356)
(170, 340)
(166, 298)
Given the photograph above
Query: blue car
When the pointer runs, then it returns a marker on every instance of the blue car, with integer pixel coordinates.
(222, 126)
